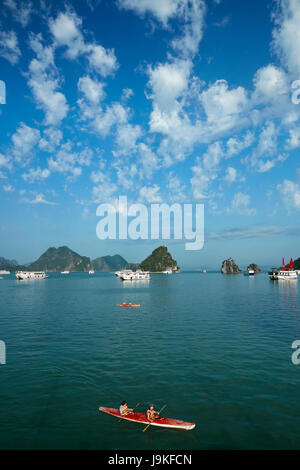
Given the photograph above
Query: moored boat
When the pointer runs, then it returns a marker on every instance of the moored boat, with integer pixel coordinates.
(249, 272)
(284, 274)
(30, 275)
(65, 272)
(3, 271)
(142, 419)
(137, 275)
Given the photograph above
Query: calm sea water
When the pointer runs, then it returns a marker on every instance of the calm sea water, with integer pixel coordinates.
(216, 349)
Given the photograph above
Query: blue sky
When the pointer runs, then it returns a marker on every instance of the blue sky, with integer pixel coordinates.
(185, 101)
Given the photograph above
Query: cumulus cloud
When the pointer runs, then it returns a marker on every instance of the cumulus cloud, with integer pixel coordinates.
(36, 174)
(92, 89)
(148, 161)
(8, 188)
(5, 162)
(193, 13)
(168, 82)
(21, 11)
(290, 192)
(269, 82)
(66, 30)
(24, 140)
(44, 82)
(162, 10)
(206, 170)
(240, 204)
(50, 139)
(9, 48)
(70, 162)
(286, 35)
(150, 194)
(231, 175)
(235, 146)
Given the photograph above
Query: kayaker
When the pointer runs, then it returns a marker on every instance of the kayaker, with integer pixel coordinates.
(124, 410)
(152, 414)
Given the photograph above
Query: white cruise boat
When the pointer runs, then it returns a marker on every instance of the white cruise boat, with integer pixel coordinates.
(138, 275)
(280, 274)
(91, 271)
(249, 272)
(284, 274)
(120, 273)
(167, 271)
(30, 275)
(3, 271)
(65, 272)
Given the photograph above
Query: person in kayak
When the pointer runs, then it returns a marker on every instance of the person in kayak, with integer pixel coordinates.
(124, 410)
(152, 414)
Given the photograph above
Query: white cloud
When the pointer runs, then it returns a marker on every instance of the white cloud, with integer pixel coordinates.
(176, 188)
(24, 140)
(126, 137)
(235, 146)
(104, 190)
(147, 160)
(193, 14)
(162, 10)
(92, 89)
(223, 106)
(265, 156)
(8, 188)
(66, 30)
(168, 82)
(102, 60)
(231, 175)
(293, 140)
(206, 170)
(21, 11)
(241, 203)
(150, 194)
(36, 174)
(286, 35)
(290, 193)
(69, 162)
(51, 139)
(44, 83)
(39, 199)
(9, 48)
(269, 83)
(5, 161)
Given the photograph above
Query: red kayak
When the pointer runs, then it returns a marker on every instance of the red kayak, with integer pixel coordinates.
(128, 305)
(142, 419)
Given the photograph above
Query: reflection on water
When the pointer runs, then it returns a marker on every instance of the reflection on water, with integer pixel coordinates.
(140, 283)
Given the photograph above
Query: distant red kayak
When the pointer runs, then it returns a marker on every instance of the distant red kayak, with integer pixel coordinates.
(142, 419)
(128, 305)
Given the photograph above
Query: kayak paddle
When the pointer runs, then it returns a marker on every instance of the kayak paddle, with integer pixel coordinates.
(163, 407)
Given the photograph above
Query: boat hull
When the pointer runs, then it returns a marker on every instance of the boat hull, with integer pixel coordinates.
(142, 419)
(128, 305)
(30, 275)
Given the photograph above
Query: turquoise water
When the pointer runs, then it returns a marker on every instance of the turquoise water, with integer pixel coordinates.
(216, 349)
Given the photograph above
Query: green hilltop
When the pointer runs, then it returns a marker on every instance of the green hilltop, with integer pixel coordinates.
(159, 260)
(61, 259)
